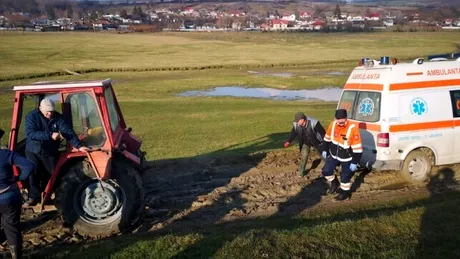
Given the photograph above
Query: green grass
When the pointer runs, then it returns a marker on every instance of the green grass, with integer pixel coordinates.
(174, 127)
(425, 228)
(31, 53)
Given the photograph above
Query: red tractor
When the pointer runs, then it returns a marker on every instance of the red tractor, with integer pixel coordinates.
(98, 192)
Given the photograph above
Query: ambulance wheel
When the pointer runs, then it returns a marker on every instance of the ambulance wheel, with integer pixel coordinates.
(417, 166)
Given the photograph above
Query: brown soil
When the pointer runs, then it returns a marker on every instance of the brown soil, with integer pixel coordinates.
(199, 192)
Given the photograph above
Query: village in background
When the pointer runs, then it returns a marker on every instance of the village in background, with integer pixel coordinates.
(65, 15)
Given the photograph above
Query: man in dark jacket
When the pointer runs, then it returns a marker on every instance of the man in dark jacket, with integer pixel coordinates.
(44, 129)
(10, 196)
(310, 133)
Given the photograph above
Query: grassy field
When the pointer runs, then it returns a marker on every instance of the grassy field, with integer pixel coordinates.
(31, 53)
(189, 126)
(404, 229)
(172, 127)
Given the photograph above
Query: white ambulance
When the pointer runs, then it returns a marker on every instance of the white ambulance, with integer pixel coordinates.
(408, 113)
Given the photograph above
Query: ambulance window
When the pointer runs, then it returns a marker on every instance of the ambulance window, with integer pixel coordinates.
(347, 101)
(368, 107)
(455, 97)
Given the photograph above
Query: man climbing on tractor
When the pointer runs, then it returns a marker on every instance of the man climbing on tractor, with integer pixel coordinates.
(310, 133)
(44, 129)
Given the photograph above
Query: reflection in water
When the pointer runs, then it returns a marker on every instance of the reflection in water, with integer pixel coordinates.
(325, 94)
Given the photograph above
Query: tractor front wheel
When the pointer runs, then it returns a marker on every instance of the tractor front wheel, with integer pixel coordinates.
(98, 208)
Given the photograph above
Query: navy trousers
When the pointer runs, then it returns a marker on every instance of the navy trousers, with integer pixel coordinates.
(332, 163)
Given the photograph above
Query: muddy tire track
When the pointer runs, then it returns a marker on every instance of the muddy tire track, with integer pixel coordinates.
(207, 191)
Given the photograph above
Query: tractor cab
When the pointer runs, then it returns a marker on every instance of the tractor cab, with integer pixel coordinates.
(108, 174)
(90, 106)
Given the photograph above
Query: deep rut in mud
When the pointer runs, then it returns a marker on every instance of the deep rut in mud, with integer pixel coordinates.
(205, 191)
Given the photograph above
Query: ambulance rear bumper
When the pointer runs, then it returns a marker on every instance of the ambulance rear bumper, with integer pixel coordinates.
(381, 165)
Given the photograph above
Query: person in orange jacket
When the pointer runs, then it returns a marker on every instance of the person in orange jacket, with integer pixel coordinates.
(343, 145)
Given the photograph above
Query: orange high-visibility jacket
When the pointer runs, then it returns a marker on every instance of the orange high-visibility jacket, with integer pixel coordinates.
(344, 143)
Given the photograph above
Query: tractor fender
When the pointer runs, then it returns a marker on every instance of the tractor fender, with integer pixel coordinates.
(63, 162)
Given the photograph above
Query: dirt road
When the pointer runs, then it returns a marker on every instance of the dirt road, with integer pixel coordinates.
(199, 192)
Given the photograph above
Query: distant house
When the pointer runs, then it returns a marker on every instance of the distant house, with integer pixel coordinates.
(237, 14)
(279, 24)
(288, 17)
(318, 25)
(388, 22)
(448, 21)
(305, 15)
(236, 25)
(65, 24)
(372, 17)
(189, 25)
(355, 18)
(100, 25)
(188, 11)
(18, 20)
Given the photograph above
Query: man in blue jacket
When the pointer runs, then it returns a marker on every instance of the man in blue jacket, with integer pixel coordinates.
(10, 196)
(44, 129)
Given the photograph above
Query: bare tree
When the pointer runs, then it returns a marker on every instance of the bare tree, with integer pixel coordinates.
(319, 11)
(41, 5)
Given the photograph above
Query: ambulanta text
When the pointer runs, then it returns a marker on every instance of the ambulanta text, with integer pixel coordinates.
(444, 72)
(366, 76)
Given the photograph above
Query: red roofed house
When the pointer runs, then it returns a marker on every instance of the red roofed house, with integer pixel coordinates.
(280, 24)
(317, 25)
(17, 20)
(188, 10)
(372, 17)
(305, 15)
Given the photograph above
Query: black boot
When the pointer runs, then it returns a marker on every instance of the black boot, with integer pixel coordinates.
(333, 186)
(343, 195)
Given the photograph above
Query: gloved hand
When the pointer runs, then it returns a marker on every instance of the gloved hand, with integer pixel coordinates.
(353, 167)
(286, 144)
(324, 154)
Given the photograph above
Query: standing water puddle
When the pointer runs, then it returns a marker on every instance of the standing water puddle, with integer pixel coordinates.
(324, 94)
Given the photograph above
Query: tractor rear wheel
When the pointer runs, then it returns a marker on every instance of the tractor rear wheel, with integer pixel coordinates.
(100, 208)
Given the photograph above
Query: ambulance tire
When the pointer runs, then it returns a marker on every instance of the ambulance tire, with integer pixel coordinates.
(417, 166)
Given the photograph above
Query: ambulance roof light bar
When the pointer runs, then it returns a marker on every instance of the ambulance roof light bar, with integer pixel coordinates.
(383, 61)
(443, 57)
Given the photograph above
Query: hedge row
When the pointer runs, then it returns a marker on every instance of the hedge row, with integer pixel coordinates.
(210, 67)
